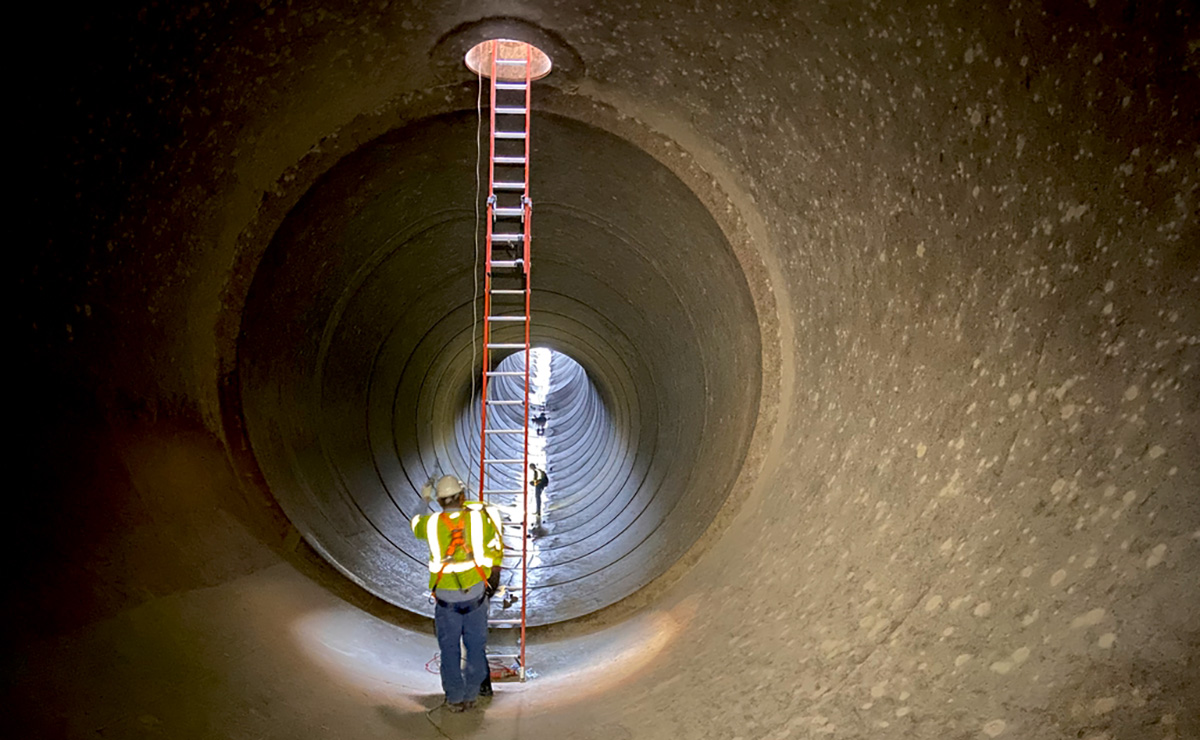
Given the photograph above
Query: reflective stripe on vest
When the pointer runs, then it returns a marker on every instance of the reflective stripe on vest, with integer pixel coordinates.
(477, 550)
(492, 513)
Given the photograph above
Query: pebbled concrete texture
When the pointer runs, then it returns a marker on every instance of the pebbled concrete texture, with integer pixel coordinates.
(967, 504)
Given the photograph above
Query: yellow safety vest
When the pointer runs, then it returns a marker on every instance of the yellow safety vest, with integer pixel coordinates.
(464, 545)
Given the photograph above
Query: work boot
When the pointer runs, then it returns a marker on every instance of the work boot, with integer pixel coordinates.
(485, 688)
(458, 707)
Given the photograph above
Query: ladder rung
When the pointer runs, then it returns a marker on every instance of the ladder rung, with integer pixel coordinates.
(510, 134)
(508, 160)
(505, 373)
(506, 345)
(503, 431)
(505, 403)
(510, 61)
(517, 211)
(504, 621)
(518, 525)
(508, 185)
(504, 656)
(507, 291)
(507, 263)
(510, 85)
(507, 237)
(510, 110)
(506, 318)
(503, 461)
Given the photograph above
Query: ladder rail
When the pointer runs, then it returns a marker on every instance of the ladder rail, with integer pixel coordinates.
(527, 203)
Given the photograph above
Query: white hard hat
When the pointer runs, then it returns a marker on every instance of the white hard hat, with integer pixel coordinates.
(448, 487)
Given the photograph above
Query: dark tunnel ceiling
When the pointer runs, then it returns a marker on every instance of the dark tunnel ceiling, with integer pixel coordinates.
(355, 355)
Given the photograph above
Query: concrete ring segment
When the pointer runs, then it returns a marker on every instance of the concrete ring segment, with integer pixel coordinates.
(356, 359)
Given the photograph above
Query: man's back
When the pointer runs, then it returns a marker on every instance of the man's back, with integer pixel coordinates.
(464, 545)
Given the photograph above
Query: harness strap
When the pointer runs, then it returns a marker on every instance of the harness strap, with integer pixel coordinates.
(457, 538)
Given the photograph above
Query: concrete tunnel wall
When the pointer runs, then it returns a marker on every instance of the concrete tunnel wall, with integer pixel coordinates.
(355, 359)
(966, 506)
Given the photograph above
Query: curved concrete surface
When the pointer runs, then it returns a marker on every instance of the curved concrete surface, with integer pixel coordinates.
(355, 357)
(960, 500)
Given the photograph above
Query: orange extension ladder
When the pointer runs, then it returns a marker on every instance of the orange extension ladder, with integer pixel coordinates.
(507, 292)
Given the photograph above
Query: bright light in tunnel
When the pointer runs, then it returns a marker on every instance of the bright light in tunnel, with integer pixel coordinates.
(479, 60)
(539, 393)
(541, 363)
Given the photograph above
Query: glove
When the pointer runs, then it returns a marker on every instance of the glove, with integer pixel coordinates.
(493, 582)
(428, 489)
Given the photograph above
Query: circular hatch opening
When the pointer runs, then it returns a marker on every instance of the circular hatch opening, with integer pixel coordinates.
(511, 57)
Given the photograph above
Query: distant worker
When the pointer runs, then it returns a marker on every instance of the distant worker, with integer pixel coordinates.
(541, 420)
(539, 480)
(465, 552)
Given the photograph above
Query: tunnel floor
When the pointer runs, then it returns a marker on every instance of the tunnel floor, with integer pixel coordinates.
(268, 634)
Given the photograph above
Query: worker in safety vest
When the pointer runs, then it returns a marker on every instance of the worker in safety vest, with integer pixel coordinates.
(539, 480)
(465, 551)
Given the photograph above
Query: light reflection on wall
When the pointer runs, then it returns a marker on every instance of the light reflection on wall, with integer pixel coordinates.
(388, 662)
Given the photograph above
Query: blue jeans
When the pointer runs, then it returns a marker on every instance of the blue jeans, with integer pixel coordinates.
(453, 625)
(537, 494)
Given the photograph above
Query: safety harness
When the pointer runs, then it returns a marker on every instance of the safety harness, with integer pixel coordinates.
(458, 538)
